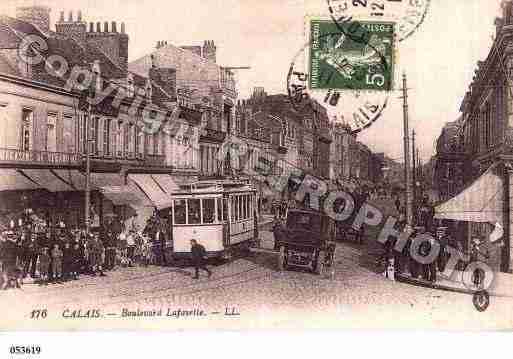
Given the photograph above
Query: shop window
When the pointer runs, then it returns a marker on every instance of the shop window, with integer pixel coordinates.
(180, 210)
(194, 211)
(209, 210)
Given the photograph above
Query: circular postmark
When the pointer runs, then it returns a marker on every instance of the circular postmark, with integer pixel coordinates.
(407, 14)
(348, 67)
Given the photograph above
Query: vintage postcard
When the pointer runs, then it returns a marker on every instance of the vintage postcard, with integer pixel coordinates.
(272, 164)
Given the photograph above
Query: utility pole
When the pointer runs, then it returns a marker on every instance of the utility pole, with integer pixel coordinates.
(414, 172)
(406, 131)
(88, 122)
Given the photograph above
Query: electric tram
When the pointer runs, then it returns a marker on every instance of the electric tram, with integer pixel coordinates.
(220, 215)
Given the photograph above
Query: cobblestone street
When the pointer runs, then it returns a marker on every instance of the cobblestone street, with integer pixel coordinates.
(356, 298)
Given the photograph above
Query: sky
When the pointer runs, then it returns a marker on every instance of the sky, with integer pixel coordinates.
(439, 58)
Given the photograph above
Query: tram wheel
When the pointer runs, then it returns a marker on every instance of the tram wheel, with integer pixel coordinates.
(481, 300)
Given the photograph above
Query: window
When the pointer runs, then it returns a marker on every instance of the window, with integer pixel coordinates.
(194, 211)
(180, 210)
(106, 136)
(94, 134)
(69, 127)
(220, 209)
(156, 144)
(209, 210)
(27, 118)
(51, 132)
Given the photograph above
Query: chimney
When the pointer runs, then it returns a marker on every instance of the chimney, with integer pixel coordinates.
(106, 26)
(70, 16)
(209, 50)
(498, 25)
(79, 16)
(506, 11)
(114, 27)
(122, 27)
(61, 19)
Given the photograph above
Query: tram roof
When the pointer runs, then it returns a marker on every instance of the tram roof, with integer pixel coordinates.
(215, 186)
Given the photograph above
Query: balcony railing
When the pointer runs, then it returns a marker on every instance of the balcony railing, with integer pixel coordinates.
(9, 155)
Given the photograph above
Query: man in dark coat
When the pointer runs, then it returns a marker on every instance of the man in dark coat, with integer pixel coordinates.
(198, 258)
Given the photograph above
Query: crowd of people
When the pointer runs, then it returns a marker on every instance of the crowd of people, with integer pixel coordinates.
(30, 250)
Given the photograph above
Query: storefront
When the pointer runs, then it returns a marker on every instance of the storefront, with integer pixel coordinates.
(482, 211)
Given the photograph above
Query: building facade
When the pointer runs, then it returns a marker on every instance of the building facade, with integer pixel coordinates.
(44, 136)
(210, 88)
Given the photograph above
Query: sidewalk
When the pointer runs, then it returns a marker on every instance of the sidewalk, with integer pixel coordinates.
(502, 285)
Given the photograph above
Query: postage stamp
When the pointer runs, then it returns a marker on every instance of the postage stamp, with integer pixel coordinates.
(339, 61)
(347, 66)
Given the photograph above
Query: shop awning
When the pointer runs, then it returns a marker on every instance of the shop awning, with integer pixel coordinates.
(47, 180)
(100, 180)
(167, 183)
(152, 189)
(126, 195)
(482, 201)
(74, 177)
(12, 180)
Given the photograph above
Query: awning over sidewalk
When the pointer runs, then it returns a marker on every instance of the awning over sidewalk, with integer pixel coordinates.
(482, 201)
(126, 195)
(167, 183)
(152, 189)
(47, 180)
(74, 177)
(12, 180)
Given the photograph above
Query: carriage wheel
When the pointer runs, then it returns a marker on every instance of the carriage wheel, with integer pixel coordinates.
(481, 300)
(319, 266)
(281, 259)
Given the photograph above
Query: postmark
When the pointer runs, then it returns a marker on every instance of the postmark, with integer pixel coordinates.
(347, 67)
(409, 15)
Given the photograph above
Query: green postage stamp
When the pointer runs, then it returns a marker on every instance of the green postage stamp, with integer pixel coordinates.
(355, 55)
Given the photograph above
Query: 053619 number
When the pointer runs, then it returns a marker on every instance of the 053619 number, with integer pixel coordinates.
(22, 349)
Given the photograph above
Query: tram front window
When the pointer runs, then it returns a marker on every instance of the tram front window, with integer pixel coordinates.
(209, 210)
(194, 211)
(180, 217)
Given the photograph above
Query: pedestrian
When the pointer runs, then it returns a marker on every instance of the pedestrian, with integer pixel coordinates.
(198, 253)
(397, 204)
(67, 261)
(76, 260)
(56, 262)
(130, 243)
(44, 265)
